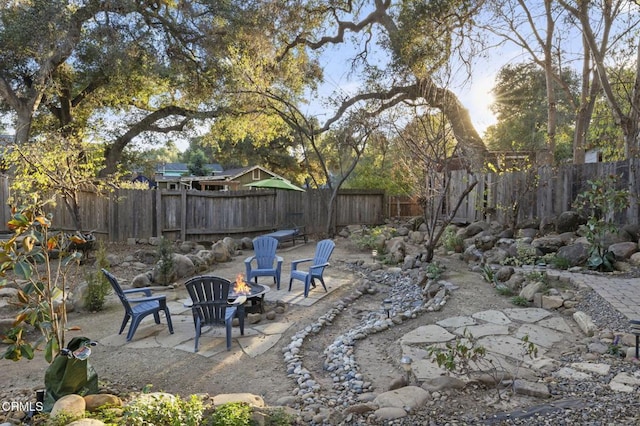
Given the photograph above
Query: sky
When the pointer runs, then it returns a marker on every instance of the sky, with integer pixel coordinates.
(474, 94)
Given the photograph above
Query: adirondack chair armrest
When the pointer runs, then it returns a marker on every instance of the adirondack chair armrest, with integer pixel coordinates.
(249, 259)
(145, 290)
(295, 263)
(322, 265)
(279, 260)
(160, 298)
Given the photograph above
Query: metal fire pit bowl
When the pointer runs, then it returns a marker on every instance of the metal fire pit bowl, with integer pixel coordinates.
(255, 299)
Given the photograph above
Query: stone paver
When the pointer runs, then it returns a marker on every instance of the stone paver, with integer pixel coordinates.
(258, 337)
(622, 293)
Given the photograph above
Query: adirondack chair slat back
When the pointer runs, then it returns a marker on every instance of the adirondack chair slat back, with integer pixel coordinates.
(210, 289)
(265, 251)
(118, 290)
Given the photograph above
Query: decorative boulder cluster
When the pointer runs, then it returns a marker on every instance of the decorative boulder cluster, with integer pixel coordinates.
(565, 243)
(562, 238)
(188, 258)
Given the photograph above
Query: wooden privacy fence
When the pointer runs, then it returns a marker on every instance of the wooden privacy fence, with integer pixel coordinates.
(209, 215)
(542, 194)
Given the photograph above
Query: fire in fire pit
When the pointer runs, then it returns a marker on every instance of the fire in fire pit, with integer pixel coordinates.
(240, 287)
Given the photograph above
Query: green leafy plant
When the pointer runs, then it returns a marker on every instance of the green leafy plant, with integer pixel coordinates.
(519, 301)
(435, 270)
(98, 287)
(278, 417)
(164, 410)
(488, 274)
(63, 418)
(599, 203)
(457, 356)
(370, 238)
(614, 347)
(534, 276)
(503, 290)
(451, 240)
(43, 292)
(231, 414)
(165, 263)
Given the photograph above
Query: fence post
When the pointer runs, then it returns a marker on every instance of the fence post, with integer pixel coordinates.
(183, 215)
(158, 206)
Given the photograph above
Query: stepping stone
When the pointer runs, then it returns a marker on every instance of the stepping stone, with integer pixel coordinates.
(557, 323)
(259, 344)
(478, 331)
(538, 335)
(457, 322)
(492, 316)
(427, 334)
(530, 315)
(589, 367)
(508, 346)
(571, 374)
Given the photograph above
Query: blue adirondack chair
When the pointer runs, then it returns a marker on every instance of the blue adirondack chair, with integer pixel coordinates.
(135, 309)
(315, 271)
(267, 263)
(210, 305)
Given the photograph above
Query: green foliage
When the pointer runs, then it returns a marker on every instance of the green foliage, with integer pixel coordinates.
(525, 255)
(615, 348)
(529, 348)
(43, 290)
(370, 238)
(165, 262)
(278, 417)
(164, 410)
(599, 203)
(197, 162)
(231, 414)
(521, 108)
(536, 276)
(519, 301)
(57, 166)
(503, 290)
(63, 418)
(457, 356)
(98, 287)
(435, 270)
(451, 240)
(488, 274)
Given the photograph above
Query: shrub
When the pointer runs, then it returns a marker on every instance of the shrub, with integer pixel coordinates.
(165, 263)
(164, 410)
(503, 290)
(231, 414)
(451, 240)
(599, 203)
(98, 287)
(369, 238)
(278, 417)
(519, 301)
(435, 270)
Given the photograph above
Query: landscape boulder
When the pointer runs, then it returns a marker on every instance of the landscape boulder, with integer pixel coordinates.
(548, 243)
(221, 252)
(624, 250)
(575, 254)
(569, 221)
